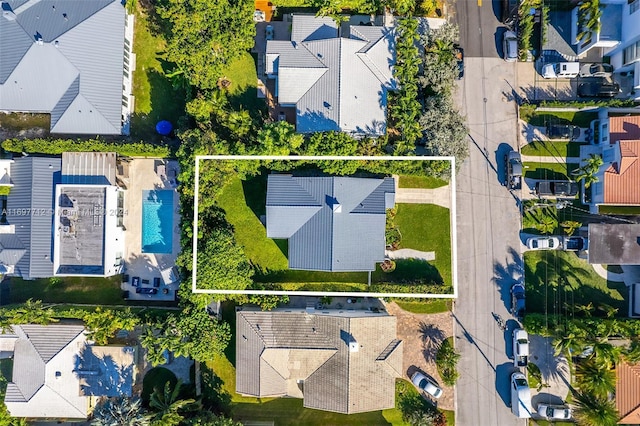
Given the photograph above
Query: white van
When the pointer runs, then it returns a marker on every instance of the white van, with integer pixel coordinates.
(520, 396)
(561, 70)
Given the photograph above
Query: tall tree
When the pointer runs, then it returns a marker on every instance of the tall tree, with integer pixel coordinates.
(119, 411)
(103, 324)
(205, 36)
(167, 404)
(595, 378)
(594, 410)
(31, 312)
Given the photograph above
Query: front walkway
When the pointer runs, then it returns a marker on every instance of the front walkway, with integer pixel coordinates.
(410, 254)
(422, 334)
(549, 159)
(439, 196)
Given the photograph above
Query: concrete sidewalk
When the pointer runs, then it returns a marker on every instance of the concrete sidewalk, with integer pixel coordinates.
(411, 254)
(549, 159)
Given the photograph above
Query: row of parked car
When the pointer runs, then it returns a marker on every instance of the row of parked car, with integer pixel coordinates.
(596, 81)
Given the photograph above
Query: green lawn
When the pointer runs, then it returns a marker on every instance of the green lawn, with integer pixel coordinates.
(353, 5)
(429, 306)
(426, 227)
(155, 97)
(427, 182)
(548, 171)
(244, 83)
(559, 149)
(264, 253)
(90, 290)
(619, 210)
(555, 277)
(577, 118)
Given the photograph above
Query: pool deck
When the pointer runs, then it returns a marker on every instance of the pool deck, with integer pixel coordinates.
(146, 175)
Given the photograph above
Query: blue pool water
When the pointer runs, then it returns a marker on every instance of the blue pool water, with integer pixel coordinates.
(157, 221)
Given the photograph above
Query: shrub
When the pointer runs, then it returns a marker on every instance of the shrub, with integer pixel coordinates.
(58, 146)
(5, 190)
(447, 361)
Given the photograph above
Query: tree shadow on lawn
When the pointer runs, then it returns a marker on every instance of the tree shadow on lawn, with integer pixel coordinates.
(167, 103)
(557, 284)
(255, 193)
(542, 173)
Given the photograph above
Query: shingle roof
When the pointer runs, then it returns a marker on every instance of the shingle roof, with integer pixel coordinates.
(621, 180)
(322, 236)
(64, 57)
(34, 179)
(628, 393)
(347, 88)
(624, 128)
(276, 349)
(614, 244)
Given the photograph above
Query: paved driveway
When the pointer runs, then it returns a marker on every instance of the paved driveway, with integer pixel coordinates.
(421, 334)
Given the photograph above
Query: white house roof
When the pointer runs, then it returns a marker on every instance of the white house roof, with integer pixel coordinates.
(64, 57)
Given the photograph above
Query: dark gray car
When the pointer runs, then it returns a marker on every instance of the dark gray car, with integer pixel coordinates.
(600, 87)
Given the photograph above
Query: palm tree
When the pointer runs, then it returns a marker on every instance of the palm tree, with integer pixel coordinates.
(595, 378)
(570, 226)
(609, 310)
(32, 313)
(589, 170)
(594, 410)
(119, 411)
(586, 310)
(547, 225)
(589, 14)
(568, 343)
(632, 353)
(605, 353)
(167, 404)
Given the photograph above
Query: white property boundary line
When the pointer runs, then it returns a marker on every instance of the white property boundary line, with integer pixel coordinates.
(452, 221)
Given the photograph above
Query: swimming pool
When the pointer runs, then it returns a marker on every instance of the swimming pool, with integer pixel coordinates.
(157, 221)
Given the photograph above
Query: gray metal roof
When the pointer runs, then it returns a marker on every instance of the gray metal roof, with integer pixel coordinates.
(11, 249)
(312, 27)
(35, 347)
(347, 89)
(82, 45)
(614, 244)
(321, 235)
(274, 350)
(29, 208)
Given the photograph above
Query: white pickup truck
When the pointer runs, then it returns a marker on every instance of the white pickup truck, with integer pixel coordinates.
(520, 347)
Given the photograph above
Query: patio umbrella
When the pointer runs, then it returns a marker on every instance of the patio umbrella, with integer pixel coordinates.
(164, 127)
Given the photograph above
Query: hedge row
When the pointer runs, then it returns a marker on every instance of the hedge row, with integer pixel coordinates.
(58, 146)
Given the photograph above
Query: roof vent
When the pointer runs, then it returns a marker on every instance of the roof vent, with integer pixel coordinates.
(353, 346)
(38, 38)
(56, 43)
(7, 12)
(64, 15)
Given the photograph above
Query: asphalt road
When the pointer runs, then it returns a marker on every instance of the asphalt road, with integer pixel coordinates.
(489, 248)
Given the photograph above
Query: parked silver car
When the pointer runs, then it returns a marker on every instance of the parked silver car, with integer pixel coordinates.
(543, 243)
(554, 412)
(596, 70)
(423, 383)
(510, 46)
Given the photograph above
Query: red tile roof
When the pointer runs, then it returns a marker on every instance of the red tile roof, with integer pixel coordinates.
(628, 393)
(622, 181)
(624, 128)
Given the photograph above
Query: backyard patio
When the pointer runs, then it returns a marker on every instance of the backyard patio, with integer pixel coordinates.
(152, 233)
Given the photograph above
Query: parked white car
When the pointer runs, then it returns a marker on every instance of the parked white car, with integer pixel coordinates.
(423, 383)
(554, 412)
(520, 396)
(520, 347)
(543, 243)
